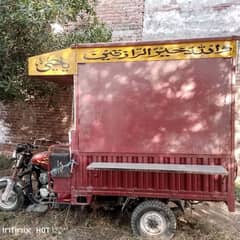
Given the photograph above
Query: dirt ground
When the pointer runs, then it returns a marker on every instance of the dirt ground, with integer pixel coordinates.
(206, 221)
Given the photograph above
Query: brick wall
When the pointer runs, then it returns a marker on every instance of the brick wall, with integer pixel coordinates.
(169, 19)
(124, 17)
(48, 117)
(129, 20)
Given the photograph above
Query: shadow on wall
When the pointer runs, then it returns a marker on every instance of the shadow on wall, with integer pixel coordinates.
(160, 106)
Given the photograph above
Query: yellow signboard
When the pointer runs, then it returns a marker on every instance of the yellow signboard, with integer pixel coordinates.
(64, 62)
(61, 62)
(214, 49)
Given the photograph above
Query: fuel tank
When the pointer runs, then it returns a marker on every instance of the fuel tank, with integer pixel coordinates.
(41, 159)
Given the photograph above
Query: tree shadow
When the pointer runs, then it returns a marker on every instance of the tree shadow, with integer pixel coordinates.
(176, 106)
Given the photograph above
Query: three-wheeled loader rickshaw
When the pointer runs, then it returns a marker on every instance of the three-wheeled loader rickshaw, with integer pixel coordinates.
(153, 125)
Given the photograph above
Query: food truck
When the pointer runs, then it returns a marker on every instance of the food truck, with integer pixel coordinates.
(153, 126)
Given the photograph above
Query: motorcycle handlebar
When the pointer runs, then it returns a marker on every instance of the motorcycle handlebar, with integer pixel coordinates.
(36, 144)
(41, 140)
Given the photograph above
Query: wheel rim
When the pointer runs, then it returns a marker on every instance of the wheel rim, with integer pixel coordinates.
(153, 223)
(12, 200)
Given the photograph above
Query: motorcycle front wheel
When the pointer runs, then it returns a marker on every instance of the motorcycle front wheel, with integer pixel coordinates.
(15, 201)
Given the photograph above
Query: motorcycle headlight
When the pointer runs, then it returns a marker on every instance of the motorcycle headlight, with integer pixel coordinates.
(14, 154)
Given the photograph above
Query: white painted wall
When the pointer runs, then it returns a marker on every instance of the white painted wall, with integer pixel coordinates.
(176, 19)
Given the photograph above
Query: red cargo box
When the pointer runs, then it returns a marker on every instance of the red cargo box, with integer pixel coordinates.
(151, 120)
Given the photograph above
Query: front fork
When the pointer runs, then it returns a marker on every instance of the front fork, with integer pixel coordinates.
(10, 185)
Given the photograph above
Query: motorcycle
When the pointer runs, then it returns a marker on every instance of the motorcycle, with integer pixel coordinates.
(29, 180)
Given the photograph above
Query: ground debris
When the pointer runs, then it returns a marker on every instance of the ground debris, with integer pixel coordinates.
(207, 221)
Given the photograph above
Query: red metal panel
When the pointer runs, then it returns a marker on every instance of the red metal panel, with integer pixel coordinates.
(132, 112)
(151, 107)
(62, 186)
(149, 184)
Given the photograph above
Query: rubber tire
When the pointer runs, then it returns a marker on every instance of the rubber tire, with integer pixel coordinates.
(20, 200)
(154, 205)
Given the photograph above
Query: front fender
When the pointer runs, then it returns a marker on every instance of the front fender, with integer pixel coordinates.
(5, 180)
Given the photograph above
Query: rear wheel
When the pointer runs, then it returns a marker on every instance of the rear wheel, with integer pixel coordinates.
(15, 201)
(153, 220)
